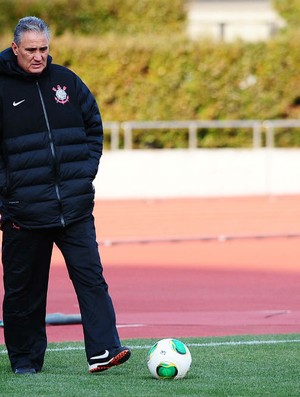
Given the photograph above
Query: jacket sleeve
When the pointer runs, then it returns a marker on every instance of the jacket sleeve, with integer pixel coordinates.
(92, 122)
(3, 181)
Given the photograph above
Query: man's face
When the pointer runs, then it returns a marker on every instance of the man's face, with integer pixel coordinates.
(32, 52)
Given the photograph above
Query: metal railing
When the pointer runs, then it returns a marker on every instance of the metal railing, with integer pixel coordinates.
(192, 126)
(271, 125)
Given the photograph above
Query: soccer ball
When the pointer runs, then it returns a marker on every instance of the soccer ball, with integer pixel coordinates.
(169, 359)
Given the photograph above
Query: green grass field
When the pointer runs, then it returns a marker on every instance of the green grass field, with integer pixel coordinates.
(250, 366)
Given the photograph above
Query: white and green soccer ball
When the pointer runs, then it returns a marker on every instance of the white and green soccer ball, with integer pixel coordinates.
(169, 359)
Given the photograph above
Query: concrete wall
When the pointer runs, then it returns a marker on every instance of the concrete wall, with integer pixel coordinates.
(198, 173)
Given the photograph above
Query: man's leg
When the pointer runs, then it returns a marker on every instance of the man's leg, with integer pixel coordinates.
(79, 247)
(26, 258)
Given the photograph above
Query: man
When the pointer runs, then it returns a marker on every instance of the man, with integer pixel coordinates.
(51, 144)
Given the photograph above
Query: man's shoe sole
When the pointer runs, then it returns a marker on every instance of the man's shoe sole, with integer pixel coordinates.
(25, 371)
(117, 360)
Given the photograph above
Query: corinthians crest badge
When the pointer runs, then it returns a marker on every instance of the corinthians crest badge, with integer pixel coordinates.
(61, 95)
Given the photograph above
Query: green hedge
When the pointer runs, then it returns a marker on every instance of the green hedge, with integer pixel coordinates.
(153, 79)
(289, 10)
(97, 16)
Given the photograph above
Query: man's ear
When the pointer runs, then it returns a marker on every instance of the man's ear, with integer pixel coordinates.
(14, 48)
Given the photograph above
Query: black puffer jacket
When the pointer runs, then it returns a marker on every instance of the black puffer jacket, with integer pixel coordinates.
(51, 143)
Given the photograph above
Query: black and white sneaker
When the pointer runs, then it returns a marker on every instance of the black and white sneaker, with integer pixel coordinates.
(109, 358)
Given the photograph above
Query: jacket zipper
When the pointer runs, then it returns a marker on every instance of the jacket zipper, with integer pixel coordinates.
(52, 149)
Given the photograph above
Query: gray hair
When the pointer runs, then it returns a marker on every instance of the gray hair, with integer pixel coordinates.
(30, 24)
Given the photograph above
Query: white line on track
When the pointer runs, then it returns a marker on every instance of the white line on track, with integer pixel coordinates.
(209, 344)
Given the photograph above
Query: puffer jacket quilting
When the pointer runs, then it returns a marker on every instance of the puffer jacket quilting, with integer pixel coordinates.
(51, 144)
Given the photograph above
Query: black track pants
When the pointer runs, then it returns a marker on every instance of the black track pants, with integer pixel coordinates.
(26, 256)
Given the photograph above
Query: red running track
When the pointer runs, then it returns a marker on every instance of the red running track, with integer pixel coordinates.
(198, 288)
